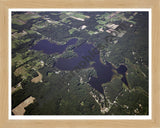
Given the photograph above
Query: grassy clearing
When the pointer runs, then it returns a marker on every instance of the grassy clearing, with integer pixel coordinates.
(72, 30)
(21, 19)
(20, 109)
(38, 78)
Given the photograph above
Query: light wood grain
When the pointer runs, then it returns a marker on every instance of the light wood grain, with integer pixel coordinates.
(6, 4)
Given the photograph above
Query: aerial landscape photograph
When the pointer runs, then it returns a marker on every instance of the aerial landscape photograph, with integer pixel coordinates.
(79, 62)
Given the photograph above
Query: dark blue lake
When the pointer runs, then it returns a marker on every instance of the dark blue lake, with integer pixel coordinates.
(49, 48)
(122, 69)
(85, 54)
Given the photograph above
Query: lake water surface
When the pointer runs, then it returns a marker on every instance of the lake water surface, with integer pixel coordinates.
(85, 54)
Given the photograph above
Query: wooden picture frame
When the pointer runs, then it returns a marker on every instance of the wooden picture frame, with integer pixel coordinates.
(4, 64)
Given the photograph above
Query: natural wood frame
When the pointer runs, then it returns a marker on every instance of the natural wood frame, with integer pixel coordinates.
(4, 8)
